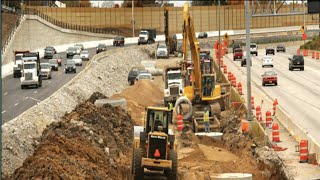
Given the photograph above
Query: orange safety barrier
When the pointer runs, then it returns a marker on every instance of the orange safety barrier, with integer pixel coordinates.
(275, 132)
(317, 55)
(179, 122)
(258, 112)
(312, 55)
(298, 51)
(244, 125)
(303, 151)
(240, 88)
(225, 69)
(252, 102)
(233, 81)
(268, 119)
(275, 103)
(305, 52)
(229, 76)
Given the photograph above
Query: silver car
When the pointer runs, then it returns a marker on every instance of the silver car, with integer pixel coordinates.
(45, 70)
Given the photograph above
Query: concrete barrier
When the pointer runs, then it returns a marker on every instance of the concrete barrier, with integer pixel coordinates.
(297, 132)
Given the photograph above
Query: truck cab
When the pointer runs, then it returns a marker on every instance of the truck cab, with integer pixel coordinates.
(173, 85)
(31, 70)
(147, 36)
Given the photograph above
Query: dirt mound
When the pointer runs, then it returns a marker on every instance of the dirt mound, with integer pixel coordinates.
(88, 143)
(145, 93)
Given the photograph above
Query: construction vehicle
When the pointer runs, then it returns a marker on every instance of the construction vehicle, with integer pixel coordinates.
(171, 40)
(17, 63)
(147, 36)
(173, 84)
(204, 92)
(154, 145)
(31, 70)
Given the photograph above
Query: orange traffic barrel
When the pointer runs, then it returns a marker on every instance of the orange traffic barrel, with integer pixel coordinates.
(244, 125)
(317, 55)
(233, 81)
(179, 122)
(305, 52)
(229, 76)
(240, 88)
(275, 132)
(312, 54)
(268, 119)
(258, 111)
(274, 107)
(225, 69)
(252, 102)
(303, 151)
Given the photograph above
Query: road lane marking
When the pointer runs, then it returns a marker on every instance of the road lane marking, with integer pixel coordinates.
(4, 111)
(35, 92)
(5, 93)
(16, 104)
(35, 99)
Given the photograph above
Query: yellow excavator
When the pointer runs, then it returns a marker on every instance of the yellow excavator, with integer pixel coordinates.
(203, 92)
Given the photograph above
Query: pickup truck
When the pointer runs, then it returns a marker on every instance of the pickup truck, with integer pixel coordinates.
(254, 49)
(269, 77)
(237, 54)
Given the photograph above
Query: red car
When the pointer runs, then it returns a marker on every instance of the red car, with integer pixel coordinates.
(269, 77)
(58, 58)
(237, 54)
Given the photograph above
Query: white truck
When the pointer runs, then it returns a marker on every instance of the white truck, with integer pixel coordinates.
(173, 84)
(31, 70)
(254, 49)
(18, 63)
(147, 36)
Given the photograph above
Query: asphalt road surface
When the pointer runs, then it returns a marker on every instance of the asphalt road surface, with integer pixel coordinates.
(298, 92)
(16, 100)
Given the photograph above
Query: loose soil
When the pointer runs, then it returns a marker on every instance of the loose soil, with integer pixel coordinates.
(8, 21)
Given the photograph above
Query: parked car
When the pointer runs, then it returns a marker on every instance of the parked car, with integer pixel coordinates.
(267, 61)
(70, 66)
(270, 50)
(281, 48)
(49, 51)
(202, 35)
(144, 76)
(237, 54)
(45, 70)
(162, 51)
(101, 47)
(254, 49)
(84, 55)
(235, 46)
(244, 61)
(118, 41)
(134, 72)
(79, 46)
(77, 60)
(296, 62)
(71, 51)
(269, 77)
(53, 64)
(58, 58)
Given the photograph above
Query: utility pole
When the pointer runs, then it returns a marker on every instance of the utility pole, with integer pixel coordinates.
(249, 113)
(132, 21)
(1, 97)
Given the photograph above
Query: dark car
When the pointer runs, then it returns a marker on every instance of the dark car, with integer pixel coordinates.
(270, 50)
(71, 51)
(134, 72)
(54, 64)
(202, 35)
(101, 47)
(281, 48)
(296, 62)
(70, 67)
(49, 51)
(235, 46)
(118, 41)
(244, 61)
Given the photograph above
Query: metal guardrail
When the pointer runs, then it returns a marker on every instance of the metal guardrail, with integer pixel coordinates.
(76, 27)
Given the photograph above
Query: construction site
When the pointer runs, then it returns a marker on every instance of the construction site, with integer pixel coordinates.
(170, 106)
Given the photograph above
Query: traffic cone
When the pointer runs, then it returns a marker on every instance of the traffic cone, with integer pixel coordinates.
(275, 132)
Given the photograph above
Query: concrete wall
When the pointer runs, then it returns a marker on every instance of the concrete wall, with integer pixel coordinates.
(205, 17)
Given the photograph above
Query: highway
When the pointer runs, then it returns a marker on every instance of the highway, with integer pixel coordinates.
(298, 92)
(16, 100)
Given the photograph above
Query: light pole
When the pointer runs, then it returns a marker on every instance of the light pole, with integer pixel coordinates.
(249, 113)
(132, 21)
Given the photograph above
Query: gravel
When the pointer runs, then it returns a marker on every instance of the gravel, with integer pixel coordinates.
(106, 73)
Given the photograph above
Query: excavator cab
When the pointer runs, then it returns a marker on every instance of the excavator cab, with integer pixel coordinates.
(207, 85)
